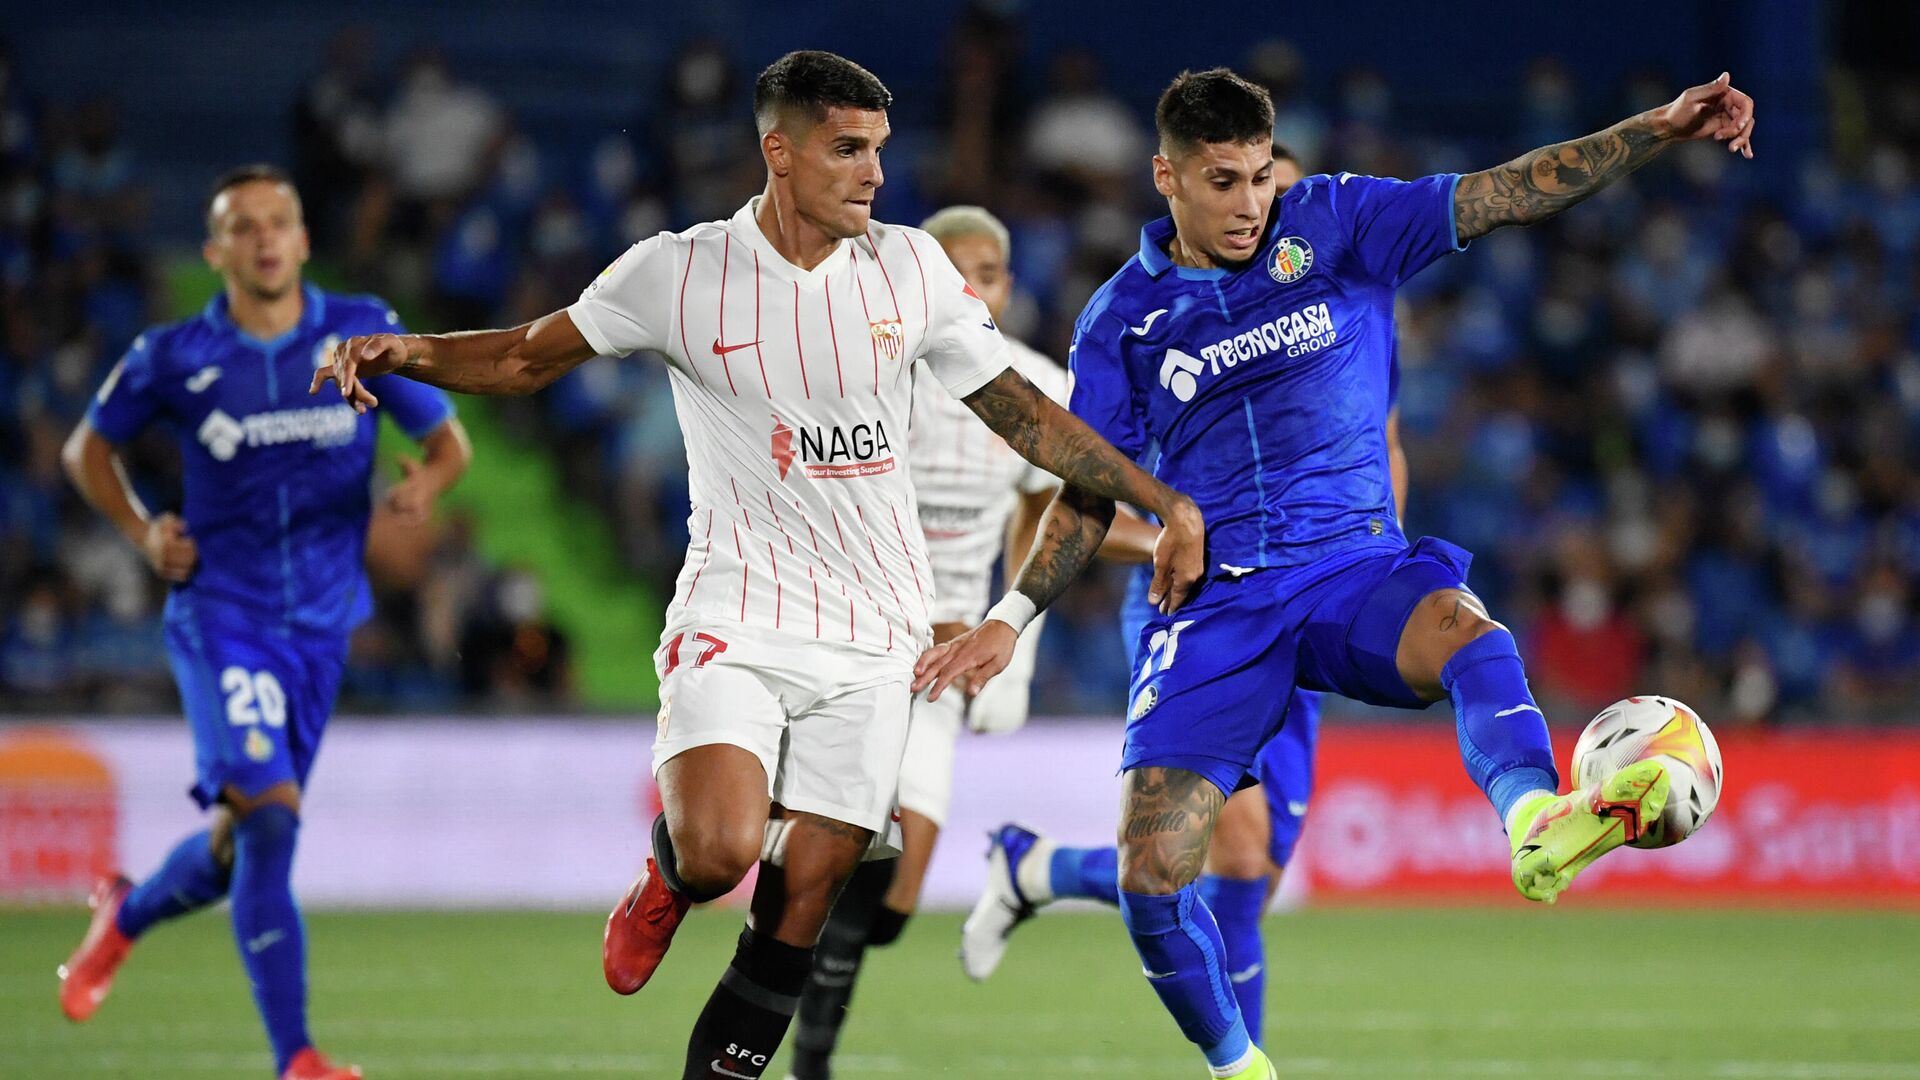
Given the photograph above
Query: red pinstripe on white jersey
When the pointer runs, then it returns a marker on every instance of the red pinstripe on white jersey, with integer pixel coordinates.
(795, 466)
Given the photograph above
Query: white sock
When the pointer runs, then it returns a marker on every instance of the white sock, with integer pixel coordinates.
(1034, 874)
(1246, 1059)
(1520, 804)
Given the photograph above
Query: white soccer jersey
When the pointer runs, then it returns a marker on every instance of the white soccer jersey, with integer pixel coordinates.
(969, 483)
(793, 390)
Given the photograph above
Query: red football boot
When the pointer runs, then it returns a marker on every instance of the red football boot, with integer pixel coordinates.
(639, 931)
(88, 974)
(311, 1064)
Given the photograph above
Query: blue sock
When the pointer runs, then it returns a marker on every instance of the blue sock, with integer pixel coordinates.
(189, 880)
(1503, 734)
(1088, 873)
(1237, 906)
(1180, 947)
(266, 923)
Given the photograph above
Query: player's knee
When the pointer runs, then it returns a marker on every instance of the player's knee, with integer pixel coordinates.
(240, 805)
(1239, 856)
(1442, 624)
(712, 859)
(220, 836)
(1239, 847)
(1145, 875)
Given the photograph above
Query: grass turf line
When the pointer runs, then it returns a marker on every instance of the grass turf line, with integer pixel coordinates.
(1402, 993)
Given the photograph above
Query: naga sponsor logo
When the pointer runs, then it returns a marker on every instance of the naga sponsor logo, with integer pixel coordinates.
(325, 426)
(1296, 333)
(833, 453)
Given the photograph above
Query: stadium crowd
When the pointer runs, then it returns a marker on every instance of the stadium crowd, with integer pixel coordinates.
(1679, 426)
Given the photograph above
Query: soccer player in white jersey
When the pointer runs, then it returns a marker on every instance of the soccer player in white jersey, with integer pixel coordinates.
(790, 333)
(977, 499)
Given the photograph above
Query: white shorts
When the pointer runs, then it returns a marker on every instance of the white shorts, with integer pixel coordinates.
(827, 724)
(926, 771)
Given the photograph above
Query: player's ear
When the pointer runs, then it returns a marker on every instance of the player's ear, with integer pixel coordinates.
(1163, 175)
(210, 251)
(778, 151)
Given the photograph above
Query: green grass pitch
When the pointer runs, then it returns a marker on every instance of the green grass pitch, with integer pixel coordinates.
(1388, 994)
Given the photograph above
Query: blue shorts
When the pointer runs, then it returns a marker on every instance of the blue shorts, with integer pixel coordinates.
(1284, 771)
(1284, 766)
(256, 697)
(1212, 682)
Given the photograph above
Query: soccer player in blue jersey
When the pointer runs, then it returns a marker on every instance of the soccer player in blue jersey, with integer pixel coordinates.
(1253, 840)
(265, 564)
(1252, 338)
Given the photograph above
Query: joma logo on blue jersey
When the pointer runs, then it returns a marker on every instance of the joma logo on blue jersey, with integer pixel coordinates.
(1297, 333)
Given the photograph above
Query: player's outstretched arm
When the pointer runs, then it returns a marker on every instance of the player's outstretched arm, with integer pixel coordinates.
(1062, 444)
(1537, 185)
(491, 363)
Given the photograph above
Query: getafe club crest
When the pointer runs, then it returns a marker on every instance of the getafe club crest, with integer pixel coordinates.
(890, 336)
(1292, 258)
(323, 353)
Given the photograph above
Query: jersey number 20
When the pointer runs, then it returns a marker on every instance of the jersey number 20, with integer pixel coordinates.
(253, 696)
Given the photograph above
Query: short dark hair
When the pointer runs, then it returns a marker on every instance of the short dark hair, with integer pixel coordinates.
(816, 81)
(1213, 106)
(246, 174)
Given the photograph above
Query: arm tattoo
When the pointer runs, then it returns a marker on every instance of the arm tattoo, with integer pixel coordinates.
(1452, 619)
(1062, 443)
(1166, 824)
(1076, 523)
(1539, 184)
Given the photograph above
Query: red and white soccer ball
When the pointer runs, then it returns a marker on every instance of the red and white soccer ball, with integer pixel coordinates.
(1643, 727)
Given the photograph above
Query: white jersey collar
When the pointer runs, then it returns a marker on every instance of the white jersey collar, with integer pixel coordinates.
(746, 225)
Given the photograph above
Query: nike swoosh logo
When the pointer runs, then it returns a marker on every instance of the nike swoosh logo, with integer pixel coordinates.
(1243, 976)
(722, 350)
(724, 1071)
(1158, 974)
(1148, 325)
(1518, 709)
(203, 379)
(265, 941)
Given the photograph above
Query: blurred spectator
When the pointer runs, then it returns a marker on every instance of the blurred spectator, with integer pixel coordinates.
(336, 133)
(512, 656)
(1714, 389)
(1081, 132)
(438, 133)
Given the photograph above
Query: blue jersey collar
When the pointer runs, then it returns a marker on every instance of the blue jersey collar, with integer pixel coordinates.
(312, 312)
(1156, 235)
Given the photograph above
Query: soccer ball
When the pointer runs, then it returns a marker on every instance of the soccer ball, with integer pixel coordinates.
(1643, 727)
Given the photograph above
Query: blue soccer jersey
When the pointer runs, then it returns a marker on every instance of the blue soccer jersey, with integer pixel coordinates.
(1263, 393)
(276, 482)
(277, 500)
(1267, 388)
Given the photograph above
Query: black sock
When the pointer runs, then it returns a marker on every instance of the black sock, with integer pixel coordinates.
(749, 1011)
(888, 924)
(836, 964)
